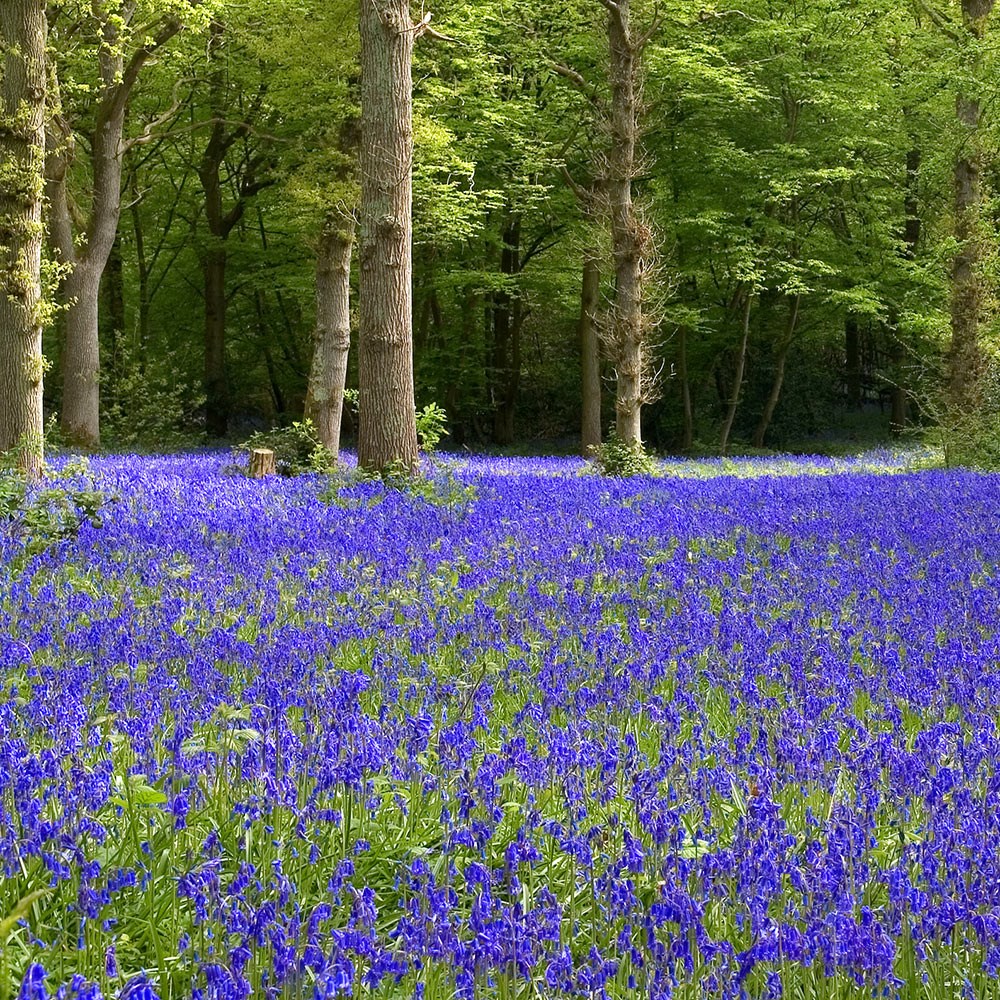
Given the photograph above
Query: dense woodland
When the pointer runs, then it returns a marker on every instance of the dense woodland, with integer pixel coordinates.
(752, 222)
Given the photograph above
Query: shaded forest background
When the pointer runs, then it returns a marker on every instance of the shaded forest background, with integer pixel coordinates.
(798, 176)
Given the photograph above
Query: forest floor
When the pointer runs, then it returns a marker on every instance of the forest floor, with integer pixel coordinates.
(523, 730)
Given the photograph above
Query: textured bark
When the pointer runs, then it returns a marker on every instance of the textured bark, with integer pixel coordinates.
(332, 339)
(89, 254)
(760, 432)
(387, 434)
(590, 355)
(968, 292)
(23, 74)
(741, 363)
(631, 238)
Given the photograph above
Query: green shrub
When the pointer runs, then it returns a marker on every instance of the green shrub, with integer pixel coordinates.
(432, 425)
(297, 449)
(621, 460)
(40, 516)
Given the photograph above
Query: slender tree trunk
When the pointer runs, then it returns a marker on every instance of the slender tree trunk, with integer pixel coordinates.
(687, 405)
(23, 88)
(630, 236)
(507, 314)
(388, 434)
(852, 349)
(968, 293)
(899, 399)
(113, 294)
(332, 342)
(741, 363)
(779, 374)
(590, 355)
(217, 402)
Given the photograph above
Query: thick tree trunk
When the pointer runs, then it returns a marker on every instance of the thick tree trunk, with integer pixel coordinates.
(630, 236)
(23, 82)
(968, 293)
(741, 363)
(332, 343)
(388, 433)
(781, 360)
(590, 356)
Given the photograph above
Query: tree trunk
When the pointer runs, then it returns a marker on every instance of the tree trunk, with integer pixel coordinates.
(852, 348)
(968, 293)
(741, 362)
(388, 433)
(507, 313)
(779, 375)
(216, 376)
(631, 238)
(23, 86)
(113, 289)
(687, 405)
(89, 255)
(590, 355)
(332, 339)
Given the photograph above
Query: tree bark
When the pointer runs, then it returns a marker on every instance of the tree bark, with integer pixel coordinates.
(332, 339)
(774, 395)
(507, 323)
(388, 433)
(88, 256)
(631, 237)
(687, 404)
(590, 355)
(23, 89)
(968, 293)
(741, 362)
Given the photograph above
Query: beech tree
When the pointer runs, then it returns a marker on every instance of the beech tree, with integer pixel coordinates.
(626, 328)
(123, 36)
(387, 410)
(23, 82)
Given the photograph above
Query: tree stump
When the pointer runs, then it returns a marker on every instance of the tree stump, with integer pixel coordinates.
(262, 463)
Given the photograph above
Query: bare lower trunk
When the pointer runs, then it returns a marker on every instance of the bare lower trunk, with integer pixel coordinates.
(687, 405)
(779, 375)
(387, 434)
(328, 376)
(630, 237)
(23, 33)
(80, 417)
(216, 378)
(590, 356)
(741, 362)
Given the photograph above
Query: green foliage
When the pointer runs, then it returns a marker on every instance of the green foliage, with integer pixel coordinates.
(619, 459)
(432, 425)
(148, 406)
(40, 516)
(297, 449)
(972, 439)
(439, 485)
